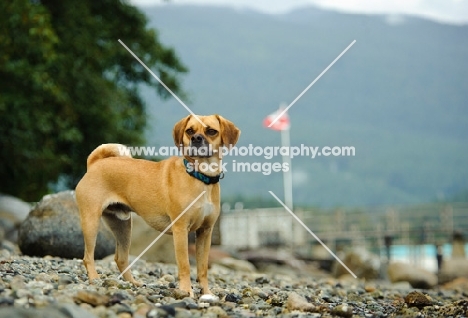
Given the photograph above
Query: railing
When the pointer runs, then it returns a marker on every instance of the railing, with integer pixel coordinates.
(404, 225)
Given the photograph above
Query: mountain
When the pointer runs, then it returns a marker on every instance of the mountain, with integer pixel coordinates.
(399, 96)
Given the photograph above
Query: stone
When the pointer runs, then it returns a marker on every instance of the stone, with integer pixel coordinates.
(62, 311)
(361, 262)
(452, 269)
(10, 312)
(237, 264)
(297, 302)
(217, 311)
(233, 298)
(144, 311)
(417, 299)
(417, 277)
(460, 283)
(400, 286)
(92, 298)
(168, 278)
(53, 228)
(13, 211)
(119, 297)
(207, 298)
(74, 311)
(343, 310)
(177, 293)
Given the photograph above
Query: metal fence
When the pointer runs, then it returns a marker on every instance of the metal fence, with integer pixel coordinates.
(404, 225)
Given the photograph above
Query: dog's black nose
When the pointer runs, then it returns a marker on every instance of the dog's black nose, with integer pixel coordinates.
(197, 139)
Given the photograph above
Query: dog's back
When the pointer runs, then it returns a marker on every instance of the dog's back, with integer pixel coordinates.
(106, 151)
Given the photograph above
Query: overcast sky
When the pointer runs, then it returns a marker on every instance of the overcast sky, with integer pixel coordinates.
(449, 11)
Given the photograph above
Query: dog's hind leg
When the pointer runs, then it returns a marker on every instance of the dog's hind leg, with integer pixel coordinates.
(90, 226)
(122, 230)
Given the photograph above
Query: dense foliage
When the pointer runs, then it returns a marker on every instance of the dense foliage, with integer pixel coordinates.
(67, 85)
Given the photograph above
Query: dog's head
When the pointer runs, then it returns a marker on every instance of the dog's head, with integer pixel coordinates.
(204, 141)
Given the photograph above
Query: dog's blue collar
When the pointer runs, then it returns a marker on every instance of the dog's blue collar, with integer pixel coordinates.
(200, 176)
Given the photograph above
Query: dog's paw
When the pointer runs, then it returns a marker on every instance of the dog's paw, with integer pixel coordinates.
(96, 281)
(137, 283)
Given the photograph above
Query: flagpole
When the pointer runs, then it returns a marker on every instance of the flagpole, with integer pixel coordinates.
(283, 125)
(287, 174)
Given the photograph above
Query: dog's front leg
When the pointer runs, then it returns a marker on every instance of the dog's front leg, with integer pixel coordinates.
(180, 234)
(203, 243)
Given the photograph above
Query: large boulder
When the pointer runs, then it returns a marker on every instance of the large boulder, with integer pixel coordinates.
(415, 276)
(53, 228)
(12, 212)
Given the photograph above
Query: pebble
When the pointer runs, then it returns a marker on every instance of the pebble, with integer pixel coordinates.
(168, 278)
(417, 299)
(91, 297)
(218, 311)
(297, 302)
(210, 299)
(343, 310)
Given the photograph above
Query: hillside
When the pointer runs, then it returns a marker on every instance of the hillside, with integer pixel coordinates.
(399, 96)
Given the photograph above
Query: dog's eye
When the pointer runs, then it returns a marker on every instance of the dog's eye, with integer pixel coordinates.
(211, 132)
(190, 131)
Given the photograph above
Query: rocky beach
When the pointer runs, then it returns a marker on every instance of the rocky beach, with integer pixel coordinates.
(56, 287)
(35, 282)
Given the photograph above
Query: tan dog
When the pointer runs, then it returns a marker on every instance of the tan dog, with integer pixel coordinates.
(116, 184)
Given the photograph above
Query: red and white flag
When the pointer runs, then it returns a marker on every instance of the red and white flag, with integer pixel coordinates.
(281, 124)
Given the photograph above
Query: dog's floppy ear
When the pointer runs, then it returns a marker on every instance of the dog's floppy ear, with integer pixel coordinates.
(179, 130)
(229, 132)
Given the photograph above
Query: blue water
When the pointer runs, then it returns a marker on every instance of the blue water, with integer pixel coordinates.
(403, 251)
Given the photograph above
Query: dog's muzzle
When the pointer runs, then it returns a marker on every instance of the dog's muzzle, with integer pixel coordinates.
(199, 147)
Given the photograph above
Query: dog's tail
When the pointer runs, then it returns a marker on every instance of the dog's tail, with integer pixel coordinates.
(106, 151)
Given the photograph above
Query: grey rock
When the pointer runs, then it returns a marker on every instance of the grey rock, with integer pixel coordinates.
(233, 298)
(53, 228)
(12, 212)
(74, 311)
(120, 296)
(65, 279)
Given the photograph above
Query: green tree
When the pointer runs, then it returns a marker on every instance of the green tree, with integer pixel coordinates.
(67, 85)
